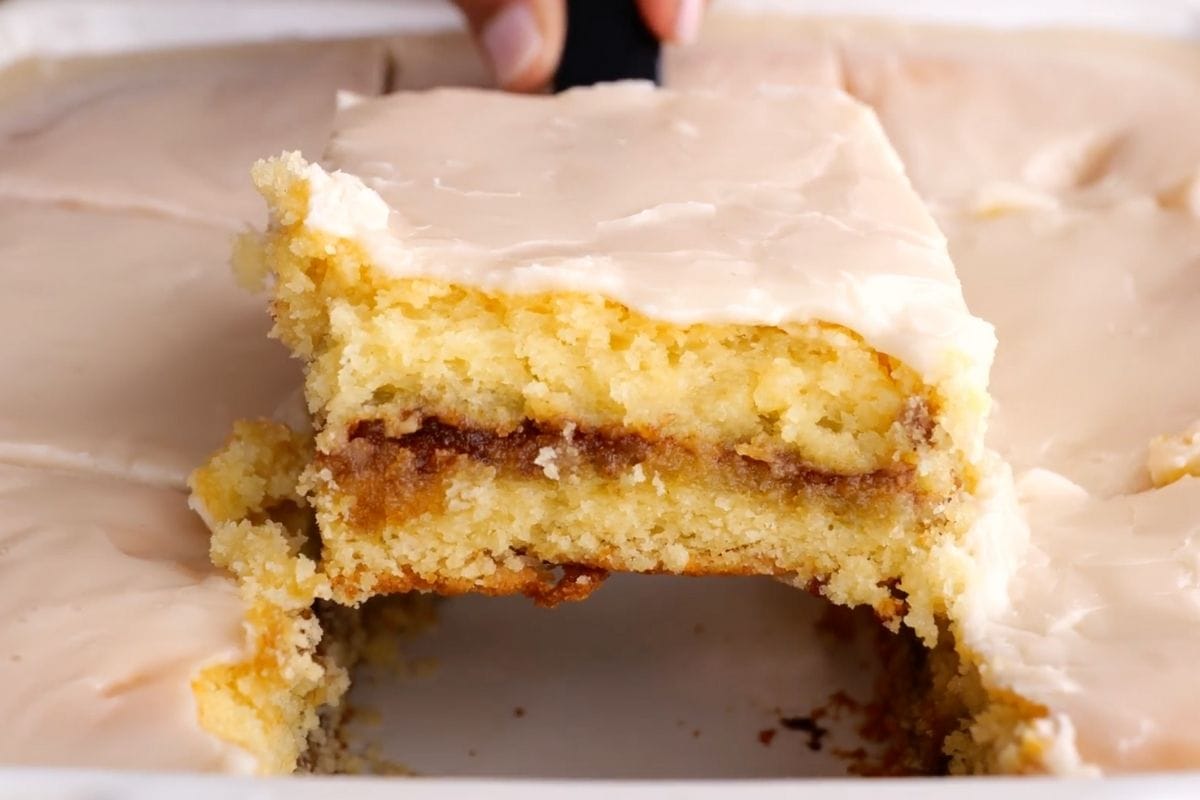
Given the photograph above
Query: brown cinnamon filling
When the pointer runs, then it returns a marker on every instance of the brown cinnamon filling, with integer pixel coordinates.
(395, 478)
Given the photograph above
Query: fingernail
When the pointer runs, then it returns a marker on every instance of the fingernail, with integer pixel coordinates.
(512, 41)
(687, 20)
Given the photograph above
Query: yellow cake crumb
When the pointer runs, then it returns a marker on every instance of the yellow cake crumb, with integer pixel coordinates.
(1170, 458)
(269, 704)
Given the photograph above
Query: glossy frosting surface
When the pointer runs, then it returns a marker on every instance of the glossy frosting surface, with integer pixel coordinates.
(123, 178)
(99, 391)
(1074, 225)
(171, 133)
(120, 183)
(109, 609)
(1104, 622)
(687, 206)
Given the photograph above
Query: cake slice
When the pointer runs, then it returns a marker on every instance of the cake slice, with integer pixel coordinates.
(626, 329)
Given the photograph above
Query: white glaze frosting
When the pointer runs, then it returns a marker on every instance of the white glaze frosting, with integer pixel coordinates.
(737, 51)
(109, 608)
(120, 182)
(171, 134)
(124, 141)
(1103, 623)
(689, 207)
(135, 345)
(1007, 123)
(1072, 222)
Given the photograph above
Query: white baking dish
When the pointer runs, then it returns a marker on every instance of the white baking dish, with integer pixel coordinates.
(652, 681)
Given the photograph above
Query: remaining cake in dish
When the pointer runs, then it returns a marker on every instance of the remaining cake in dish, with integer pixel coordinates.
(92, 486)
(1072, 227)
(84, 223)
(625, 329)
(128, 350)
(100, 576)
(1075, 229)
(74, 409)
(67, 127)
(1106, 602)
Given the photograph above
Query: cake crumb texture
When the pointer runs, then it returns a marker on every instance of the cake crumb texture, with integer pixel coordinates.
(272, 703)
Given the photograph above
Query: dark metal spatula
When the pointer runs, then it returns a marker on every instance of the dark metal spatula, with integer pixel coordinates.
(606, 41)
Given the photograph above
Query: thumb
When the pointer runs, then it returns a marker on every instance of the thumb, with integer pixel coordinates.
(673, 20)
(520, 39)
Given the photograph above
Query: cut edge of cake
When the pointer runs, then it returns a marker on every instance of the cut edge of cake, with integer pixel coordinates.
(281, 702)
(285, 704)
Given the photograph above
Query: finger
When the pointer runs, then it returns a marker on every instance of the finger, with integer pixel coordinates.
(521, 39)
(673, 20)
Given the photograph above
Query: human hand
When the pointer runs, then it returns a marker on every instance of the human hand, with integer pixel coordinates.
(523, 39)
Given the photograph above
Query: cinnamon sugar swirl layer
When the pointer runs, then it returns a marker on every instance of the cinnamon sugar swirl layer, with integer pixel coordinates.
(393, 478)
(549, 511)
